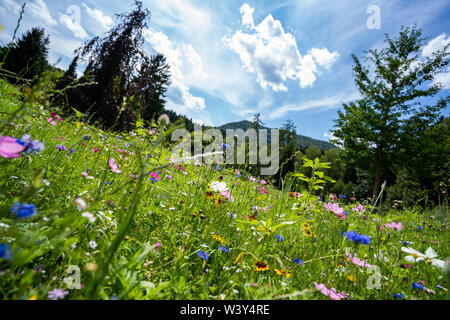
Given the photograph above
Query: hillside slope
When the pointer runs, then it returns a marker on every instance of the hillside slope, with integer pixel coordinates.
(303, 141)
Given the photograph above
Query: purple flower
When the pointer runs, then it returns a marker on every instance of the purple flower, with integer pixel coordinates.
(57, 294)
(224, 249)
(61, 147)
(203, 255)
(280, 238)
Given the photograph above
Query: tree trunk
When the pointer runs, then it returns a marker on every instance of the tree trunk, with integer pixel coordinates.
(377, 183)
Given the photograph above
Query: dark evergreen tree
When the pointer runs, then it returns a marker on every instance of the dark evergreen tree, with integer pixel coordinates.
(71, 71)
(27, 57)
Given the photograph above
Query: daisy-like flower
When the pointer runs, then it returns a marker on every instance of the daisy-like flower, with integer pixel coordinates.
(218, 238)
(307, 230)
(89, 216)
(334, 207)
(113, 166)
(429, 257)
(261, 266)
(218, 186)
(394, 225)
(80, 203)
(282, 272)
(10, 147)
(330, 292)
(355, 260)
(57, 294)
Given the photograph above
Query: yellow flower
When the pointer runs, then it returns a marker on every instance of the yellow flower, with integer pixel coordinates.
(351, 279)
(307, 230)
(33, 297)
(282, 273)
(261, 266)
(218, 238)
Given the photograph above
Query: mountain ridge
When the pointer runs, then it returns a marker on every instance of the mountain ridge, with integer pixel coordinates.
(303, 141)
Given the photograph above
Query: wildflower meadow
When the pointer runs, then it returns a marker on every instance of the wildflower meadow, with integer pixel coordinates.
(94, 214)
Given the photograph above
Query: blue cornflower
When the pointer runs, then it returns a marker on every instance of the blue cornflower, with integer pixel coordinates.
(225, 146)
(419, 227)
(406, 243)
(299, 261)
(346, 213)
(5, 251)
(342, 196)
(357, 238)
(398, 296)
(417, 286)
(224, 249)
(280, 238)
(217, 167)
(153, 179)
(203, 255)
(71, 151)
(23, 210)
(87, 138)
(107, 182)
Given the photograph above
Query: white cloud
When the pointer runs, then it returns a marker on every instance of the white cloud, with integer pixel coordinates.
(435, 44)
(324, 57)
(324, 103)
(247, 15)
(39, 9)
(272, 54)
(179, 96)
(73, 22)
(105, 21)
(10, 6)
(443, 78)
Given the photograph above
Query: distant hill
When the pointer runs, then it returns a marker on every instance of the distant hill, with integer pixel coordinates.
(303, 141)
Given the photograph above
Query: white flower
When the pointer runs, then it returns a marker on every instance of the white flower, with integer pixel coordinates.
(89, 215)
(217, 186)
(416, 256)
(92, 244)
(80, 203)
(3, 225)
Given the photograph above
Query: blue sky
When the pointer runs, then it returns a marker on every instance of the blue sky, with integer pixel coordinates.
(231, 59)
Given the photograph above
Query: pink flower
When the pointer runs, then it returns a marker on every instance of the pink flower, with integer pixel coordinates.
(394, 225)
(154, 176)
(10, 148)
(334, 207)
(262, 190)
(331, 292)
(227, 195)
(113, 166)
(263, 182)
(359, 208)
(251, 178)
(158, 245)
(355, 260)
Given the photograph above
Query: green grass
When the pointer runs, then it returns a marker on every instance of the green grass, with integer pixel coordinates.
(149, 234)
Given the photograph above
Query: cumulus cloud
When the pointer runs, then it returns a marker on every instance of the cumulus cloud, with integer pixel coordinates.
(73, 22)
(179, 59)
(247, 15)
(272, 54)
(38, 9)
(435, 44)
(105, 21)
(443, 79)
